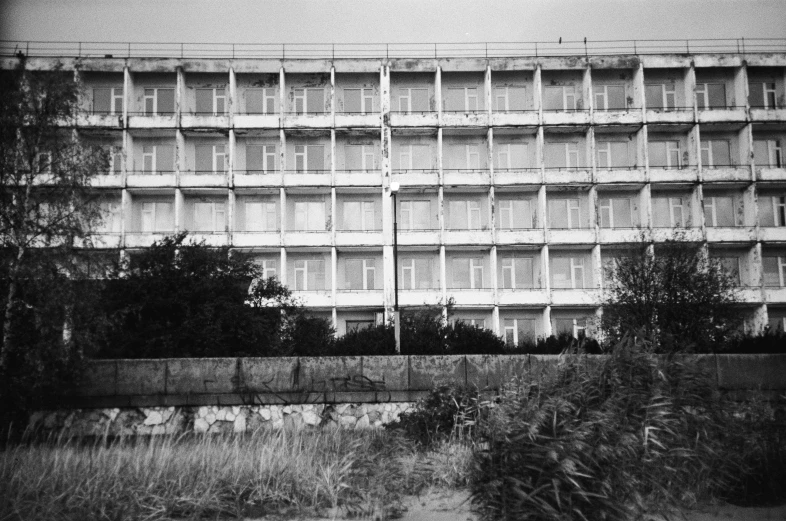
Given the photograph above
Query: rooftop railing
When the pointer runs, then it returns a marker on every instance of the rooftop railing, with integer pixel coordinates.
(387, 50)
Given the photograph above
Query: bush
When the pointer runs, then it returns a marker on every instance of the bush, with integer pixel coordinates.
(465, 339)
(555, 345)
(372, 341)
(771, 341)
(308, 336)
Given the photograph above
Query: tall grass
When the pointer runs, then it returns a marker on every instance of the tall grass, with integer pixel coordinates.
(319, 472)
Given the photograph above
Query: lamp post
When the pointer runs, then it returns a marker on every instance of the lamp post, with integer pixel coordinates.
(394, 186)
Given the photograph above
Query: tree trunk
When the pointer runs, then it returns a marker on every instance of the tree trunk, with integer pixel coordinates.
(13, 290)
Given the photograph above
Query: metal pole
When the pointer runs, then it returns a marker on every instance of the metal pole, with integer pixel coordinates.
(396, 314)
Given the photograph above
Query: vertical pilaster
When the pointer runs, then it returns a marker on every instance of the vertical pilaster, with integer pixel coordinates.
(438, 94)
(180, 96)
(179, 211)
(283, 268)
(388, 208)
(741, 88)
(638, 94)
(282, 96)
(443, 282)
(586, 90)
(126, 215)
(232, 102)
(232, 157)
(547, 329)
(230, 216)
(333, 280)
(690, 89)
(489, 94)
(333, 97)
(537, 91)
(180, 154)
(128, 94)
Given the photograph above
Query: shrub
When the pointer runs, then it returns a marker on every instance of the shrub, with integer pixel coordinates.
(555, 345)
(465, 339)
(770, 341)
(377, 340)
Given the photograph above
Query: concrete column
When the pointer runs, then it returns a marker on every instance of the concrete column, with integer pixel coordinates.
(494, 282)
(282, 194)
(749, 207)
(128, 156)
(334, 317)
(758, 320)
(333, 216)
(597, 266)
(545, 270)
(334, 278)
(440, 158)
(333, 157)
(542, 210)
(645, 206)
(232, 97)
(697, 210)
(179, 210)
(282, 96)
(230, 216)
(642, 151)
(442, 274)
(638, 93)
(547, 329)
(490, 160)
(232, 159)
(128, 94)
(592, 201)
(495, 320)
(745, 140)
(332, 96)
(537, 91)
(387, 200)
(741, 88)
(690, 89)
(438, 94)
(586, 91)
(126, 213)
(487, 79)
(590, 152)
(180, 153)
(282, 152)
(694, 149)
(539, 148)
(180, 95)
(283, 268)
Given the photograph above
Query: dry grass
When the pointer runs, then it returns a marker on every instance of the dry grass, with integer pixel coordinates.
(310, 472)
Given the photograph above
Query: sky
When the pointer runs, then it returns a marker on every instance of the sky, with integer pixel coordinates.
(386, 21)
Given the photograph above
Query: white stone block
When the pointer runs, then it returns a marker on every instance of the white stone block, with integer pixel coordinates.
(154, 418)
(287, 409)
(236, 410)
(362, 422)
(201, 425)
(221, 415)
(265, 414)
(240, 423)
(210, 418)
(310, 418)
(202, 412)
(347, 420)
(230, 417)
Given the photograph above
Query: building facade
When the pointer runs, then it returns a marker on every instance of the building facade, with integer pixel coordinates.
(520, 179)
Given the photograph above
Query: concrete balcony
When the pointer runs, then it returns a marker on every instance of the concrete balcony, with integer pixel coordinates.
(418, 237)
(358, 120)
(253, 180)
(465, 119)
(617, 117)
(144, 239)
(683, 116)
(766, 173)
(528, 236)
(418, 297)
(774, 295)
(555, 176)
(522, 297)
(216, 239)
(256, 239)
(315, 299)
(722, 115)
(759, 115)
(525, 176)
(204, 121)
(139, 180)
(359, 238)
(100, 240)
(575, 297)
(308, 238)
(417, 177)
(730, 234)
(107, 181)
(308, 120)
(467, 177)
(360, 298)
(191, 179)
(621, 175)
(677, 234)
(471, 296)
(559, 118)
(674, 175)
(85, 119)
(621, 235)
(306, 179)
(529, 118)
(416, 119)
(257, 121)
(772, 234)
(749, 295)
(359, 179)
(578, 236)
(470, 237)
(726, 174)
(136, 121)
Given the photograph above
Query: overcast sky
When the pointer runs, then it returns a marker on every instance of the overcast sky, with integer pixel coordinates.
(334, 21)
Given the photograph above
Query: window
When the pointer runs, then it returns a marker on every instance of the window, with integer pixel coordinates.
(711, 95)
(359, 274)
(416, 273)
(670, 212)
(157, 217)
(415, 215)
(562, 155)
(510, 156)
(762, 95)
(43, 162)
(309, 275)
(260, 159)
(462, 99)
(467, 273)
(108, 101)
(715, 153)
(616, 212)
(559, 98)
(158, 159)
(359, 215)
(361, 158)
(660, 96)
(463, 157)
(261, 101)
(768, 152)
(610, 97)
(567, 272)
(114, 156)
(359, 101)
(772, 210)
(565, 214)
(209, 217)
(464, 215)
(310, 159)
(310, 216)
(774, 270)
(210, 159)
(719, 211)
(731, 267)
(570, 326)
(309, 101)
(515, 214)
(474, 322)
(261, 216)
(612, 154)
(159, 101)
(665, 154)
(357, 325)
(110, 216)
(510, 99)
(211, 101)
(269, 268)
(413, 100)
(414, 157)
(518, 330)
(517, 272)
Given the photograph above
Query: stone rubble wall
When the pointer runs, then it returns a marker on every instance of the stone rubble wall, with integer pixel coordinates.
(215, 419)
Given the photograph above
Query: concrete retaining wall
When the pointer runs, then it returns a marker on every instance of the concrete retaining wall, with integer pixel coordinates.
(333, 380)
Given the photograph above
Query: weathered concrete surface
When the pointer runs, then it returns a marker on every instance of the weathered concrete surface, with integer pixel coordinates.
(267, 375)
(100, 378)
(389, 373)
(501, 369)
(426, 372)
(141, 377)
(201, 375)
(329, 374)
(752, 371)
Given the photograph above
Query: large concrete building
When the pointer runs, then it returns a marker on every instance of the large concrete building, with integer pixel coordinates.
(519, 178)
